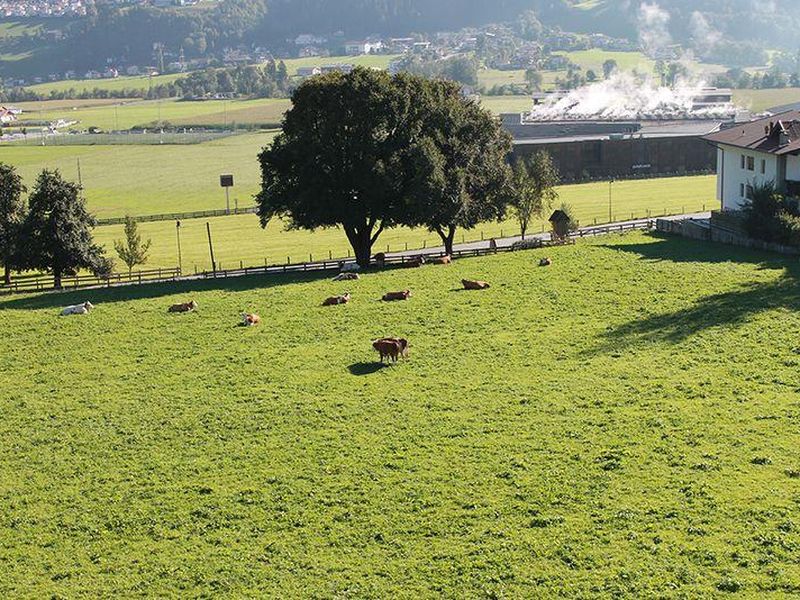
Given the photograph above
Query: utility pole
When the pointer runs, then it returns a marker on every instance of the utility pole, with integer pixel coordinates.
(610, 184)
(180, 258)
(80, 179)
(211, 249)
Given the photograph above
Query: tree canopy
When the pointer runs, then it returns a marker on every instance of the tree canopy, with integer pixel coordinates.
(465, 178)
(58, 230)
(344, 158)
(367, 151)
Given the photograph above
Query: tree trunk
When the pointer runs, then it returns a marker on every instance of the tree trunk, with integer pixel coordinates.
(524, 228)
(57, 279)
(447, 238)
(7, 274)
(361, 240)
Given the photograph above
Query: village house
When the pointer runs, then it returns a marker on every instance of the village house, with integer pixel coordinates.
(755, 153)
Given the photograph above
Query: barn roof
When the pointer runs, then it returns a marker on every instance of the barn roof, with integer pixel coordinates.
(559, 216)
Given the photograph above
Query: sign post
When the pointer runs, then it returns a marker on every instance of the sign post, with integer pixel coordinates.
(226, 181)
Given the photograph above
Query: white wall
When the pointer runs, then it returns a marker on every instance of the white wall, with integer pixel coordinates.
(731, 176)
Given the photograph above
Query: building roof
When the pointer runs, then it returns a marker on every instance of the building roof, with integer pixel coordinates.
(778, 134)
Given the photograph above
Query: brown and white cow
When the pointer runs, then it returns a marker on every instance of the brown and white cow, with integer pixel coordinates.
(545, 262)
(442, 260)
(414, 262)
(336, 300)
(474, 285)
(183, 308)
(394, 296)
(250, 319)
(391, 348)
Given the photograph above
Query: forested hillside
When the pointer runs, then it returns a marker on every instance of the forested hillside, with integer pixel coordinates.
(714, 29)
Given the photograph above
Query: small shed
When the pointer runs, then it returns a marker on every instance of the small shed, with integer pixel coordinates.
(560, 221)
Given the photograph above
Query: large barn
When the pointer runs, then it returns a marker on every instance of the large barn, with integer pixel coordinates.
(613, 130)
(602, 149)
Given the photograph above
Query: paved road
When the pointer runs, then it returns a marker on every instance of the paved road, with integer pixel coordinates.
(508, 241)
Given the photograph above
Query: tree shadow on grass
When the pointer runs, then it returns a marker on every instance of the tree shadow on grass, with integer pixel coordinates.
(728, 309)
(155, 290)
(366, 368)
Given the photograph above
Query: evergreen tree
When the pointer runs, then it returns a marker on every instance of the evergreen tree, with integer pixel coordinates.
(12, 214)
(58, 230)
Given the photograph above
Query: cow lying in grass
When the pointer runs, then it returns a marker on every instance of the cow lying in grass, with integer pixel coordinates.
(336, 300)
(414, 262)
(347, 277)
(183, 308)
(78, 309)
(391, 348)
(349, 267)
(474, 285)
(250, 319)
(394, 296)
(442, 260)
(545, 262)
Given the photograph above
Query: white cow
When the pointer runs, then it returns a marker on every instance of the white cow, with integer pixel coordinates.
(349, 267)
(78, 309)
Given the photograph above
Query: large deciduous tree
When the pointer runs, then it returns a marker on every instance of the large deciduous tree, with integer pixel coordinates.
(12, 214)
(534, 188)
(58, 230)
(344, 158)
(462, 171)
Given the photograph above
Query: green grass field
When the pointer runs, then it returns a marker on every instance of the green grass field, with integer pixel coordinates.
(761, 100)
(150, 179)
(622, 424)
(125, 115)
(241, 239)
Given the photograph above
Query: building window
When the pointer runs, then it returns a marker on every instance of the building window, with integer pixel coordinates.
(741, 190)
(751, 163)
(743, 159)
(763, 166)
(749, 192)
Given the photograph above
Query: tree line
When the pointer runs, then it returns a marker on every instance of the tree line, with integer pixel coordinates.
(367, 151)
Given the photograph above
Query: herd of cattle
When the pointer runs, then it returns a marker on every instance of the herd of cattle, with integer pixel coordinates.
(389, 348)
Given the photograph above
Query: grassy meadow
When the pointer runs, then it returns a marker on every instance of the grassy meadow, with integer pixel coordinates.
(621, 424)
(240, 238)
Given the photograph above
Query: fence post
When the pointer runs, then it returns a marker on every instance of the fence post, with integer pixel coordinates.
(424, 244)
(241, 264)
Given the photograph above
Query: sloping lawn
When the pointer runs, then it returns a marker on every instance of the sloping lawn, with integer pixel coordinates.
(623, 423)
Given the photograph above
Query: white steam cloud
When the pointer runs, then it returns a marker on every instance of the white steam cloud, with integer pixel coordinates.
(624, 97)
(653, 24)
(704, 36)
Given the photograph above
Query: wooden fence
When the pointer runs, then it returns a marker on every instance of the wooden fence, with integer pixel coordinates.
(401, 259)
(200, 214)
(45, 283)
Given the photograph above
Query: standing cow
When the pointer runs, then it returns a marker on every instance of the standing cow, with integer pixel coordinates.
(391, 348)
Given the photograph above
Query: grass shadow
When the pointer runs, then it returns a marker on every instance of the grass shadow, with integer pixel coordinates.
(727, 309)
(155, 290)
(361, 369)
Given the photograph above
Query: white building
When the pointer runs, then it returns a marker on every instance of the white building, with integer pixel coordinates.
(755, 153)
